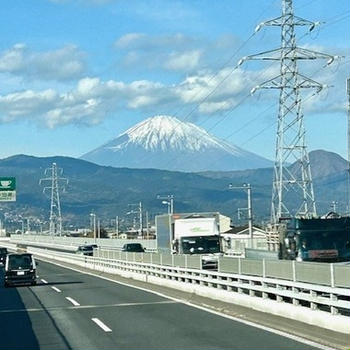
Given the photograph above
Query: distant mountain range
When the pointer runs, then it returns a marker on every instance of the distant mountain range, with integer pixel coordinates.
(110, 191)
(164, 142)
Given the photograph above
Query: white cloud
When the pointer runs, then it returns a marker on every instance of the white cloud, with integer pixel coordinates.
(62, 64)
(142, 41)
(130, 40)
(183, 61)
(92, 99)
(175, 52)
(88, 104)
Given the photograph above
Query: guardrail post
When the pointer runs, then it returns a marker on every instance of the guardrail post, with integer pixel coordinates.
(331, 266)
(278, 297)
(294, 300)
(294, 271)
(334, 310)
(251, 292)
(313, 305)
(264, 268)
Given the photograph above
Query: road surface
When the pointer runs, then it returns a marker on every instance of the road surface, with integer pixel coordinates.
(72, 310)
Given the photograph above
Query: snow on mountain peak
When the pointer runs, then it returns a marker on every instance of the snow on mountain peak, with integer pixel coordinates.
(166, 132)
(165, 142)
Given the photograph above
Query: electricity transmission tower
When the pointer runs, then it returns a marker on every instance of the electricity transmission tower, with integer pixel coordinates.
(55, 207)
(291, 184)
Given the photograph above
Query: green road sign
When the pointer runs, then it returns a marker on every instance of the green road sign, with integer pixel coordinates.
(7, 189)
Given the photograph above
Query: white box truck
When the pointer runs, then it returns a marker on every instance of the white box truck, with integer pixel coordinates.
(198, 236)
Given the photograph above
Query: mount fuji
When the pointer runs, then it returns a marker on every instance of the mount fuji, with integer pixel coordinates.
(164, 142)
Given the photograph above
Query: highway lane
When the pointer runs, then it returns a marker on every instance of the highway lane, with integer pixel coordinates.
(71, 310)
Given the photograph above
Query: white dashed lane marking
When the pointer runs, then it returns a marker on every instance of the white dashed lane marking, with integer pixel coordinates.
(56, 289)
(74, 302)
(101, 325)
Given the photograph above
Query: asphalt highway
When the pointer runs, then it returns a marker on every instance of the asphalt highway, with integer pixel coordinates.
(72, 310)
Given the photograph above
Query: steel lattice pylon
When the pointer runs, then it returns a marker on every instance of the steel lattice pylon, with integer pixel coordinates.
(291, 184)
(55, 206)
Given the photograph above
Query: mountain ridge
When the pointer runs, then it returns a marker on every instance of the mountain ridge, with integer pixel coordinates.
(108, 191)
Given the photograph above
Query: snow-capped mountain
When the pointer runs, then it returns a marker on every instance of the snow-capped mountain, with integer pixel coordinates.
(165, 142)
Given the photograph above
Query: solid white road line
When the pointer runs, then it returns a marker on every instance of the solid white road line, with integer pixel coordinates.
(74, 302)
(101, 324)
(44, 281)
(56, 289)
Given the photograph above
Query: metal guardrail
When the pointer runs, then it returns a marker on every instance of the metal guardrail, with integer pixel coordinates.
(332, 275)
(318, 273)
(332, 300)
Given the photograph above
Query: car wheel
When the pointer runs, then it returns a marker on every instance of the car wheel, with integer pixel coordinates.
(33, 283)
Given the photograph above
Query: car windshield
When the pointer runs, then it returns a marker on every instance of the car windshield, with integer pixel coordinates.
(316, 240)
(86, 248)
(17, 262)
(200, 245)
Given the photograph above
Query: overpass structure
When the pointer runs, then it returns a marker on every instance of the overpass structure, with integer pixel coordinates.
(315, 293)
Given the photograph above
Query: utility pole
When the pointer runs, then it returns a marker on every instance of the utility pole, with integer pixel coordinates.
(55, 206)
(117, 226)
(147, 226)
(98, 228)
(348, 91)
(139, 212)
(140, 217)
(249, 199)
(290, 142)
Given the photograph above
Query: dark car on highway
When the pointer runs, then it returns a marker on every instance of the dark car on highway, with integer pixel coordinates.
(3, 254)
(20, 269)
(86, 249)
(133, 248)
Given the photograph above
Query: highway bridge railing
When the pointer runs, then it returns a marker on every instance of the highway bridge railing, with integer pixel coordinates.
(324, 304)
(72, 243)
(332, 275)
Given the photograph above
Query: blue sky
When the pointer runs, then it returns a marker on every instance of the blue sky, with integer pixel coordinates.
(77, 73)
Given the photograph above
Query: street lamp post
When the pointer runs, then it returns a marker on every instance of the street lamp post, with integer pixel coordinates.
(169, 201)
(117, 226)
(250, 212)
(93, 215)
